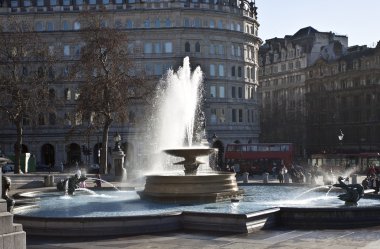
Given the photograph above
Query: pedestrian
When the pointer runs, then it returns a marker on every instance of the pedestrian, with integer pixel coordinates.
(98, 181)
(281, 174)
(62, 167)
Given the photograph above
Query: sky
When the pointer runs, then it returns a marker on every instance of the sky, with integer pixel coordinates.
(359, 20)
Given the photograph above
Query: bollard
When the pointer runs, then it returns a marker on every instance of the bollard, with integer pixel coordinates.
(286, 178)
(245, 177)
(308, 178)
(265, 177)
(354, 179)
(49, 181)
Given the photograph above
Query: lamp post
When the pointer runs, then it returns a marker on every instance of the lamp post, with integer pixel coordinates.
(117, 139)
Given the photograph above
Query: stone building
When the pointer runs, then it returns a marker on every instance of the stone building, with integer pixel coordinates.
(284, 64)
(343, 99)
(220, 36)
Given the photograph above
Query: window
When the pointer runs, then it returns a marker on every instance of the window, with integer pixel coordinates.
(197, 47)
(106, 1)
(233, 92)
(66, 50)
(168, 23)
(67, 94)
(66, 2)
(212, 70)
(239, 72)
(240, 115)
(157, 23)
(187, 47)
(221, 92)
(213, 118)
(129, 24)
(39, 26)
(213, 92)
(14, 4)
(221, 70)
(220, 24)
(234, 115)
(79, 2)
(197, 23)
(40, 3)
(76, 25)
(49, 26)
(66, 25)
(53, 2)
(52, 118)
(148, 48)
(233, 71)
(168, 46)
(41, 119)
(240, 92)
(212, 24)
(147, 23)
(157, 48)
(27, 3)
(186, 22)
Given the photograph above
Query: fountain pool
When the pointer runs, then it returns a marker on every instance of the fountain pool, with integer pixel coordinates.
(123, 212)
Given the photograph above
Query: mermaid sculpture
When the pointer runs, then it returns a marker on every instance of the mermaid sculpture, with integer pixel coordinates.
(6, 186)
(353, 191)
(71, 184)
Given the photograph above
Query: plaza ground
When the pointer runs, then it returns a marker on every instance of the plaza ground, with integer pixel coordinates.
(279, 237)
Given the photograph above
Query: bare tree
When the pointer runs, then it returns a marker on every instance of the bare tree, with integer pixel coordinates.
(109, 82)
(25, 64)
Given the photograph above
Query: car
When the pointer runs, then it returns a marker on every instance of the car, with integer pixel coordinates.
(94, 168)
(9, 167)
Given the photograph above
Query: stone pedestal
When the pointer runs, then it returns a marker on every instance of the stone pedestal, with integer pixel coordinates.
(286, 178)
(118, 162)
(245, 177)
(265, 177)
(354, 179)
(49, 181)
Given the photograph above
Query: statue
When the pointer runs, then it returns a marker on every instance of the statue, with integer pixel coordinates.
(6, 186)
(353, 191)
(72, 183)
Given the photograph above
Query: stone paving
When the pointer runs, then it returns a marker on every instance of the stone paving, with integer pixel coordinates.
(274, 238)
(279, 238)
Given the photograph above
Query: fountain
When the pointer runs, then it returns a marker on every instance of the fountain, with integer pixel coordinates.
(181, 97)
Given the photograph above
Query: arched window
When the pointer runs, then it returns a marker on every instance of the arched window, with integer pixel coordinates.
(41, 119)
(157, 23)
(52, 118)
(147, 23)
(187, 47)
(129, 24)
(197, 47)
(186, 22)
(168, 23)
(197, 23)
(76, 25)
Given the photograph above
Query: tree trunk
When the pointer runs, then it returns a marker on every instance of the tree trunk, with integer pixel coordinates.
(104, 152)
(18, 146)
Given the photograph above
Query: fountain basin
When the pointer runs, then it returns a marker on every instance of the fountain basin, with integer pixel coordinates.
(205, 188)
(123, 213)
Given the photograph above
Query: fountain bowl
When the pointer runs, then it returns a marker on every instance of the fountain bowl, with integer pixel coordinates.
(200, 188)
(189, 152)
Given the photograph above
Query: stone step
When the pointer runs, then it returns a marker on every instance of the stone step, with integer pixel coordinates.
(3, 205)
(6, 223)
(13, 240)
(17, 227)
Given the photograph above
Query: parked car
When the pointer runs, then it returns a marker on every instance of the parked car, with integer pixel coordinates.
(93, 169)
(9, 167)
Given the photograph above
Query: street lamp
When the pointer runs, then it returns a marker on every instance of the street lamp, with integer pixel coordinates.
(117, 139)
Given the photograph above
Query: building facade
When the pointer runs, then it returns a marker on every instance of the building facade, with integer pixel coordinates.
(284, 64)
(343, 102)
(219, 36)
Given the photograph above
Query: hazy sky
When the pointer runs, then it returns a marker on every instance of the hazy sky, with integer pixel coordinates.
(359, 20)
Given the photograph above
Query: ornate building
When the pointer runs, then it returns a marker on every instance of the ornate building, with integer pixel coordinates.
(284, 64)
(343, 99)
(220, 36)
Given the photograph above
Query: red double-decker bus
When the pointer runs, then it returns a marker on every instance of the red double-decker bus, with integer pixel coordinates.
(259, 158)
